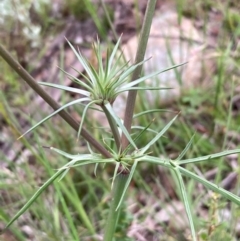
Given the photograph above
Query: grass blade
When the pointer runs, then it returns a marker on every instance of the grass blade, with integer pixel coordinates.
(34, 197)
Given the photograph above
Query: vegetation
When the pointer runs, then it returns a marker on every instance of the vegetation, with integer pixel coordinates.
(77, 205)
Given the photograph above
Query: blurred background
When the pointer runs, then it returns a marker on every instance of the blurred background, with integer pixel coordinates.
(205, 91)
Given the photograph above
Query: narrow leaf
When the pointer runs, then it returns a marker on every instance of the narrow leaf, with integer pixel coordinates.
(142, 128)
(113, 55)
(70, 89)
(138, 136)
(63, 174)
(228, 195)
(142, 88)
(127, 72)
(54, 113)
(185, 201)
(77, 163)
(151, 111)
(34, 197)
(135, 82)
(83, 116)
(144, 149)
(209, 157)
(83, 61)
(78, 81)
(63, 153)
(186, 148)
(117, 70)
(95, 169)
(156, 160)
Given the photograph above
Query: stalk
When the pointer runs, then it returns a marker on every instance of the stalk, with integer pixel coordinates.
(113, 214)
(137, 72)
(113, 127)
(122, 178)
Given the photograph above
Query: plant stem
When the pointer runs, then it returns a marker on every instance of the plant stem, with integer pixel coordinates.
(113, 214)
(113, 126)
(33, 84)
(139, 57)
(122, 178)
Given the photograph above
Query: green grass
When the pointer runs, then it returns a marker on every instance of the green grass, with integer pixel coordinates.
(57, 214)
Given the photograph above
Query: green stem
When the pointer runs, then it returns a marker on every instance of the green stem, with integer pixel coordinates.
(113, 215)
(139, 57)
(33, 84)
(113, 126)
(121, 179)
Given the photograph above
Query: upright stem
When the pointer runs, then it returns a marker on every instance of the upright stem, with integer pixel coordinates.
(113, 215)
(33, 84)
(113, 127)
(139, 57)
(122, 178)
